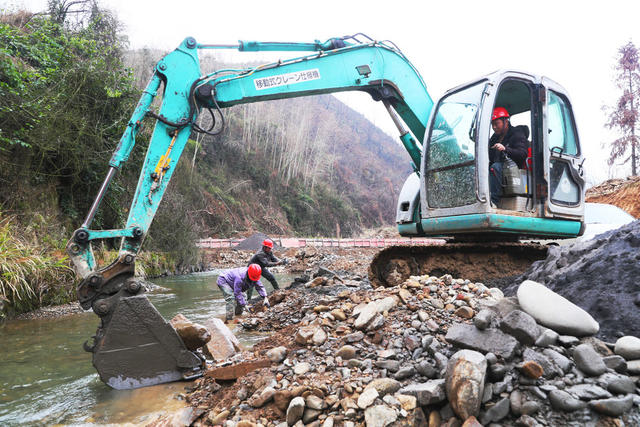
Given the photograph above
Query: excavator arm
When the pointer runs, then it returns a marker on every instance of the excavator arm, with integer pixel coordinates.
(134, 346)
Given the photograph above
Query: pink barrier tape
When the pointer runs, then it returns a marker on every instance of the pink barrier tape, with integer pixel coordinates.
(341, 243)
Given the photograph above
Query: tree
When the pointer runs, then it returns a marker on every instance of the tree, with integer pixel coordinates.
(624, 116)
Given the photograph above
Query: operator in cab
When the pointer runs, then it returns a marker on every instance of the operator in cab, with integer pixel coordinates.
(265, 258)
(234, 282)
(506, 141)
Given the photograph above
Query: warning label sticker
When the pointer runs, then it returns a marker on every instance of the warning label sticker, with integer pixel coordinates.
(286, 79)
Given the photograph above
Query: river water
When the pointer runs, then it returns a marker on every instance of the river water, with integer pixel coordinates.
(47, 378)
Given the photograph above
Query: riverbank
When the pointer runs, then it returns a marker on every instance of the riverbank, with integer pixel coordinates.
(433, 351)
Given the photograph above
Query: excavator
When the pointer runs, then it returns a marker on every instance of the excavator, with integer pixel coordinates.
(446, 196)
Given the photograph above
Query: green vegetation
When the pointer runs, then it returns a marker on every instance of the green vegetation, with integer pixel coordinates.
(31, 277)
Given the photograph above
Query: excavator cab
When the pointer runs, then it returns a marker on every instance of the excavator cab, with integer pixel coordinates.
(544, 199)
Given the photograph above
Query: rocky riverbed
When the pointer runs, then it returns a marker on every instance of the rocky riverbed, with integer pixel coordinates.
(436, 351)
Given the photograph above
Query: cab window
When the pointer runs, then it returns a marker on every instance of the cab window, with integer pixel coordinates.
(561, 130)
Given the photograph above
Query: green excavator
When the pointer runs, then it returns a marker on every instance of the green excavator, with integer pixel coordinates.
(447, 196)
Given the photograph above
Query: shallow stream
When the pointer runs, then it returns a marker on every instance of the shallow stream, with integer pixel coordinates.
(47, 378)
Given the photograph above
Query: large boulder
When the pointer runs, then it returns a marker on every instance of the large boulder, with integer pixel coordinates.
(628, 347)
(555, 311)
(223, 343)
(193, 335)
(486, 341)
(465, 377)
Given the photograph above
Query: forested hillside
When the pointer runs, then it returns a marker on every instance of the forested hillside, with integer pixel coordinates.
(68, 85)
(307, 166)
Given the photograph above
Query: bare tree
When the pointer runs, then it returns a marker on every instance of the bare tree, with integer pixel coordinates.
(624, 116)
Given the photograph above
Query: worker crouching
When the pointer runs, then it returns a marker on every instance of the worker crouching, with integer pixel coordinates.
(233, 283)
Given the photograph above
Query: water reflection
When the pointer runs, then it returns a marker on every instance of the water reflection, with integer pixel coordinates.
(46, 378)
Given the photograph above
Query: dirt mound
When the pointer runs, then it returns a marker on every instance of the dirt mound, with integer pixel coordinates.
(599, 275)
(623, 193)
(254, 242)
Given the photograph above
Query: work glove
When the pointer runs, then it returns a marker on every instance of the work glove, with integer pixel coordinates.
(266, 303)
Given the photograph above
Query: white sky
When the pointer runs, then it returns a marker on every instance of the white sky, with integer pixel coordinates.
(449, 42)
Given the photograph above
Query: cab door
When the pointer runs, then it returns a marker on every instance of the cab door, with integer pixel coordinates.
(563, 160)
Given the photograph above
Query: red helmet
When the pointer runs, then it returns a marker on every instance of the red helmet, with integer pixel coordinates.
(268, 243)
(499, 113)
(254, 271)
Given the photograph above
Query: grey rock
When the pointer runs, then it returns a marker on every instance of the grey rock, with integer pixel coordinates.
(628, 347)
(370, 311)
(384, 385)
(521, 404)
(615, 362)
(497, 372)
(521, 326)
(314, 402)
(633, 367)
(389, 365)
(379, 416)
(588, 391)
(490, 340)
(346, 352)
(618, 384)
(588, 360)
(426, 369)
(301, 368)
(487, 394)
(310, 415)
(564, 401)
(405, 372)
(428, 393)
(277, 354)
(491, 358)
(547, 337)
(561, 362)
(549, 368)
(367, 398)
(483, 319)
(530, 407)
(554, 311)
(376, 323)
(527, 421)
(496, 412)
(412, 342)
(614, 406)
(295, 410)
(568, 340)
(354, 337)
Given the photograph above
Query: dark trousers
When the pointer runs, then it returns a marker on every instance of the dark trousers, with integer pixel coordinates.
(495, 182)
(270, 277)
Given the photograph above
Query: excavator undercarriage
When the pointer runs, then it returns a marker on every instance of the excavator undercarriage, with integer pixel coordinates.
(480, 262)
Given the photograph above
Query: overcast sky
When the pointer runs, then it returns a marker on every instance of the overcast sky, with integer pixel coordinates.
(450, 42)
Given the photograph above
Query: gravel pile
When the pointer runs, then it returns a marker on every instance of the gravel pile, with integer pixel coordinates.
(432, 351)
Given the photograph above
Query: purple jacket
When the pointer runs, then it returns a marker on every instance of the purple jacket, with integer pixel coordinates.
(235, 279)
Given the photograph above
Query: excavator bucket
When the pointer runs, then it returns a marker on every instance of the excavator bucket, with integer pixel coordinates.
(135, 347)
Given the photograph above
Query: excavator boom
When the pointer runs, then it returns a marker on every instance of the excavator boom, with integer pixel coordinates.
(134, 346)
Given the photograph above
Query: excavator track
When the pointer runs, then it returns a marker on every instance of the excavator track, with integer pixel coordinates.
(486, 262)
